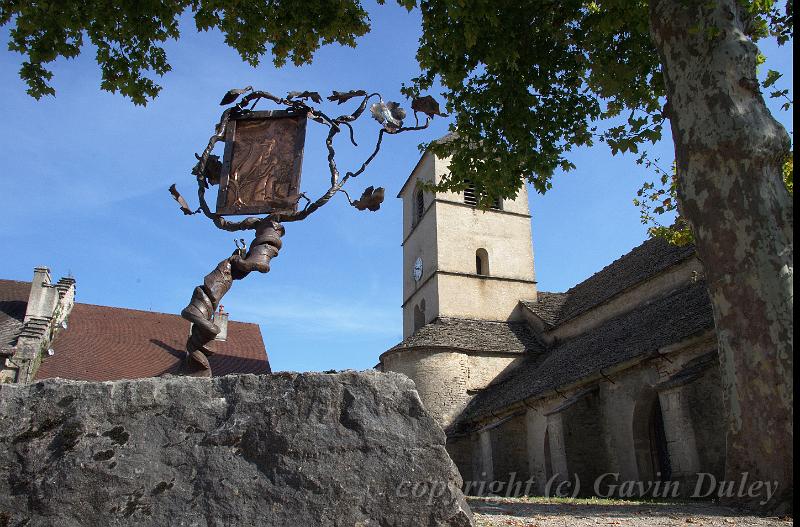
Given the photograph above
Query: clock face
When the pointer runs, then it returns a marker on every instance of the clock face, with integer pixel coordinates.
(417, 271)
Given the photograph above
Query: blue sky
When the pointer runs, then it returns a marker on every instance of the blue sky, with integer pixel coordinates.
(85, 178)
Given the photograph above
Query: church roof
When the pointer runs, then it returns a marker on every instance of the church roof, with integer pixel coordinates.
(105, 343)
(639, 333)
(473, 335)
(13, 303)
(648, 259)
(548, 306)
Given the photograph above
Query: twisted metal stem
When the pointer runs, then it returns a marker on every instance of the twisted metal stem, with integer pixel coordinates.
(206, 298)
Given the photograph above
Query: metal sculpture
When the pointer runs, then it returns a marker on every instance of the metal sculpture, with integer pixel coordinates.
(260, 174)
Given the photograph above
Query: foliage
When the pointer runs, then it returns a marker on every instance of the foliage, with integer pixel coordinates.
(788, 173)
(528, 81)
(659, 199)
(129, 34)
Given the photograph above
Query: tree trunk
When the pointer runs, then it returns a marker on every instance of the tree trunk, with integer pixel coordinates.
(729, 152)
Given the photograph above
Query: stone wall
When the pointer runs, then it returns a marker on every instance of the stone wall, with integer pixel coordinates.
(419, 241)
(350, 449)
(705, 408)
(446, 378)
(510, 454)
(584, 439)
(460, 449)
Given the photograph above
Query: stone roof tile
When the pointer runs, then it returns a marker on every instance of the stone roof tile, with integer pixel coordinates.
(648, 259)
(476, 335)
(547, 306)
(641, 332)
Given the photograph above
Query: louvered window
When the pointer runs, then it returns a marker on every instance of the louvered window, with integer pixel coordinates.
(471, 198)
(419, 207)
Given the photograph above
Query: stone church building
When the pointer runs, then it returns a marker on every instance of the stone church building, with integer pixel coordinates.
(617, 375)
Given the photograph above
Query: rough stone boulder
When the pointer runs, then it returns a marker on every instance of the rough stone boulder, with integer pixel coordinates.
(348, 449)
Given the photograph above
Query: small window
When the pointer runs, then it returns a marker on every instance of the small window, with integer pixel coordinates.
(419, 206)
(482, 262)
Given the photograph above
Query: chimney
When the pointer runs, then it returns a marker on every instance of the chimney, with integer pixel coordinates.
(48, 307)
(66, 299)
(43, 297)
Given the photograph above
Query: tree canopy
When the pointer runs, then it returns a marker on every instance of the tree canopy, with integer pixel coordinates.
(129, 34)
(529, 81)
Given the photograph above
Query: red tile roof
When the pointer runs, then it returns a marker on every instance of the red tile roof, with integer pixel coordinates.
(108, 343)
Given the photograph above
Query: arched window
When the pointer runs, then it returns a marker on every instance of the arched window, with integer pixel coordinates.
(419, 206)
(482, 262)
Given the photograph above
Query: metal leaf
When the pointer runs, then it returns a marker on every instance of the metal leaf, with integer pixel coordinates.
(427, 105)
(234, 94)
(389, 114)
(370, 199)
(213, 170)
(344, 96)
(314, 96)
(181, 201)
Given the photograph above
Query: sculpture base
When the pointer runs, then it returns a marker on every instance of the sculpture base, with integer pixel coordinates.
(354, 449)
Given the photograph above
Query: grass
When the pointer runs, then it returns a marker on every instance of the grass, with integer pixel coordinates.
(540, 500)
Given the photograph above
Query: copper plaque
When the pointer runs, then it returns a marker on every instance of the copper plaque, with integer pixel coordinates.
(262, 163)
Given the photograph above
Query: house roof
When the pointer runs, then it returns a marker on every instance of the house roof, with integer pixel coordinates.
(104, 343)
(473, 335)
(649, 258)
(13, 303)
(641, 332)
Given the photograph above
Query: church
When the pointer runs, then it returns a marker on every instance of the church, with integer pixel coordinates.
(618, 375)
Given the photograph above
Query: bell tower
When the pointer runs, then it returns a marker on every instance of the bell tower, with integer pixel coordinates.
(460, 261)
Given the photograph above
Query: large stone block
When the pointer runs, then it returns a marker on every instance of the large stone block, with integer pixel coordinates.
(348, 449)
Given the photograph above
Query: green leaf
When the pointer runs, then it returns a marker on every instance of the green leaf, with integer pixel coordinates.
(772, 78)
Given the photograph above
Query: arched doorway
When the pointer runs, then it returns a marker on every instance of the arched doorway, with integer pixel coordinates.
(650, 440)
